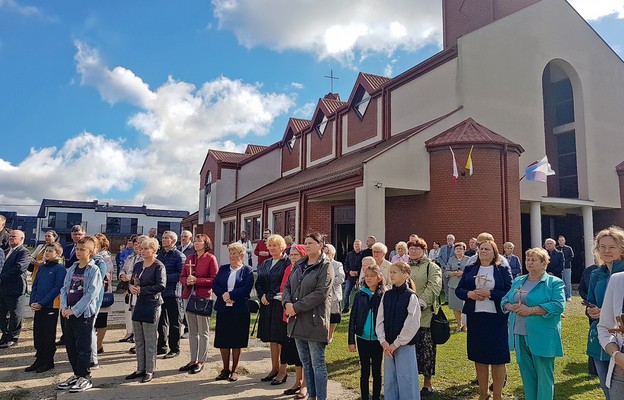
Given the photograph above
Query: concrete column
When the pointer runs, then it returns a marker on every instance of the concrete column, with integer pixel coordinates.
(588, 234)
(536, 224)
(370, 212)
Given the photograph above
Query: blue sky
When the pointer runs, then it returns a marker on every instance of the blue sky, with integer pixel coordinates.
(120, 100)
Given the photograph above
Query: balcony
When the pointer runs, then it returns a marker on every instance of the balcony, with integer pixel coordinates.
(61, 226)
(114, 230)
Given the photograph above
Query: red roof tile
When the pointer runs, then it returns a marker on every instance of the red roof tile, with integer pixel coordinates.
(254, 149)
(332, 105)
(375, 81)
(469, 132)
(228, 156)
(300, 124)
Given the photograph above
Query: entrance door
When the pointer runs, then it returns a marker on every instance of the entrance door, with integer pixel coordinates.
(343, 230)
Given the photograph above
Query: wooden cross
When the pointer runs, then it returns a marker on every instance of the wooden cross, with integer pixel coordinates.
(191, 265)
(481, 280)
(520, 292)
(331, 78)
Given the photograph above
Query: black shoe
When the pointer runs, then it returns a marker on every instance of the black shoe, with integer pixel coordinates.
(223, 375)
(32, 368)
(425, 391)
(172, 354)
(127, 339)
(136, 374)
(45, 368)
(160, 352)
(504, 383)
(279, 381)
(269, 377)
(132, 350)
(197, 368)
(475, 381)
(148, 377)
(186, 368)
(100, 350)
(10, 343)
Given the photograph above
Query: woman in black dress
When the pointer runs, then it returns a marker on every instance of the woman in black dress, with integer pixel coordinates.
(482, 286)
(270, 323)
(232, 286)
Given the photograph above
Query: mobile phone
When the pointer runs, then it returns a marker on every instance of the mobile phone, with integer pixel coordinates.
(588, 304)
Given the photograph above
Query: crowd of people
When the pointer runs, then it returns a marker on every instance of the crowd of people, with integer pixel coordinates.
(303, 294)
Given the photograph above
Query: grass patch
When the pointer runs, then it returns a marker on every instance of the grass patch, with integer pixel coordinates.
(454, 372)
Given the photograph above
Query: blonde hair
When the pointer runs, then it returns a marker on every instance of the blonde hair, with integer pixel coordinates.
(151, 243)
(238, 247)
(404, 268)
(616, 233)
(278, 240)
(538, 252)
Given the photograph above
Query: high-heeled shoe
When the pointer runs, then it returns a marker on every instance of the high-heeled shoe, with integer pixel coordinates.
(269, 377)
(279, 381)
(127, 339)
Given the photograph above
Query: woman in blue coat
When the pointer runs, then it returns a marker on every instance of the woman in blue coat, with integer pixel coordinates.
(535, 304)
(482, 287)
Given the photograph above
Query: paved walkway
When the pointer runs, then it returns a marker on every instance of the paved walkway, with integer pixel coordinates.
(116, 363)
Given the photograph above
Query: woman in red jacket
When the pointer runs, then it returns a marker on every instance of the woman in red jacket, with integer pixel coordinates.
(197, 277)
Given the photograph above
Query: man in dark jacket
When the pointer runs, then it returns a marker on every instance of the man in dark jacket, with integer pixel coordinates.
(555, 266)
(4, 235)
(187, 248)
(568, 255)
(169, 323)
(12, 289)
(352, 267)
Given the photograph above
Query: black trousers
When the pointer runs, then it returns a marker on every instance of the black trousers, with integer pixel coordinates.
(169, 325)
(78, 338)
(371, 354)
(44, 335)
(12, 309)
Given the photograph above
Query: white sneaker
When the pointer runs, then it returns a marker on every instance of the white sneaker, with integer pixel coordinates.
(81, 385)
(71, 381)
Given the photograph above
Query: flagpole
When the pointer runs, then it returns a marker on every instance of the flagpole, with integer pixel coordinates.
(523, 176)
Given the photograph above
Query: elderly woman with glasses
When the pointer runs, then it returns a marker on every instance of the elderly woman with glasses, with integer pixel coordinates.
(427, 276)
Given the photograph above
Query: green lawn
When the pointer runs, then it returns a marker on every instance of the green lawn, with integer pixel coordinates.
(454, 372)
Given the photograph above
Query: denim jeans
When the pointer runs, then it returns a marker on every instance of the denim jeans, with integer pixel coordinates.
(617, 384)
(312, 355)
(78, 336)
(349, 285)
(401, 375)
(601, 368)
(567, 279)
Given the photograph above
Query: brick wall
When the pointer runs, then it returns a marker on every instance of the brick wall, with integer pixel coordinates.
(471, 205)
(291, 160)
(366, 128)
(320, 148)
(319, 217)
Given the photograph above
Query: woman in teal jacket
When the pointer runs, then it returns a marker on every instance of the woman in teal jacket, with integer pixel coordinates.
(535, 303)
(609, 254)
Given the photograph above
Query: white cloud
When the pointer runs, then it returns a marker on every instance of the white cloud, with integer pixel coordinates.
(305, 111)
(118, 84)
(342, 29)
(85, 166)
(12, 5)
(182, 122)
(294, 85)
(596, 9)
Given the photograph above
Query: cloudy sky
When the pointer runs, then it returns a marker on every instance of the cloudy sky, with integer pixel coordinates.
(120, 100)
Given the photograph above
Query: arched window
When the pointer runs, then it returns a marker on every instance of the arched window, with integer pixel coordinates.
(561, 105)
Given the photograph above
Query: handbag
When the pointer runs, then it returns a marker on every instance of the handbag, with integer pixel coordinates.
(440, 327)
(122, 287)
(108, 300)
(199, 306)
(253, 306)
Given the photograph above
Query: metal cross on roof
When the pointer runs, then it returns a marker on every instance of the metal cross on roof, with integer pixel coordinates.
(331, 78)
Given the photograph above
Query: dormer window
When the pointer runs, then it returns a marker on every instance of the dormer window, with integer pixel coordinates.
(321, 124)
(361, 101)
(291, 142)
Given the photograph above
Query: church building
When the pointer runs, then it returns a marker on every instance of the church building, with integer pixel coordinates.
(516, 80)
